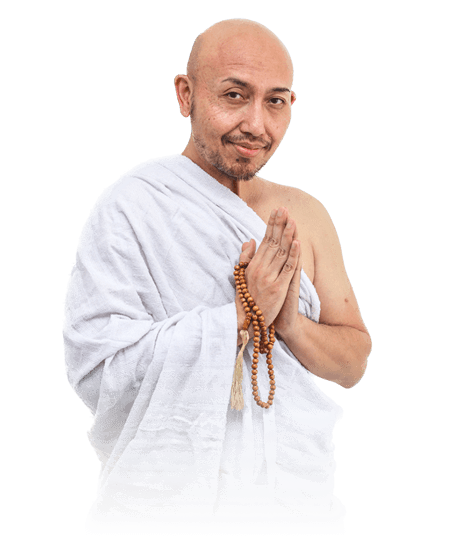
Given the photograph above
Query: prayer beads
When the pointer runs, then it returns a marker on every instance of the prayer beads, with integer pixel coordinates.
(261, 343)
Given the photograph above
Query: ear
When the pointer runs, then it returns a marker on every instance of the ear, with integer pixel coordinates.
(293, 97)
(183, 87)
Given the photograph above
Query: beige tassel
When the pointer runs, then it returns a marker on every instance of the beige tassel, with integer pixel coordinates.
(236, 394)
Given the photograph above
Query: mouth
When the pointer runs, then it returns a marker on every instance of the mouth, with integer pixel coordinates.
(246, 150)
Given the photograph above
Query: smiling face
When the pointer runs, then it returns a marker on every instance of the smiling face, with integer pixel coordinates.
(239, 98)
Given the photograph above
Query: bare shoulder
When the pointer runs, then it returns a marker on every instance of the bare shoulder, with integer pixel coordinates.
(304, 201)
(311, 215)
(291, 194)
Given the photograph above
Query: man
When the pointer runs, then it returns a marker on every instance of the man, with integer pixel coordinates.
(153, 314)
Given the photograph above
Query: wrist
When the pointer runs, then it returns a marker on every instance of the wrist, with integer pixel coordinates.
(290, 331)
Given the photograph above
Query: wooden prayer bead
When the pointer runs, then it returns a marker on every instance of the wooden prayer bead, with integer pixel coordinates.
(262, 345)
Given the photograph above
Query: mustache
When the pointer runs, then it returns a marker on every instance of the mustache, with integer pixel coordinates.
(245, 138)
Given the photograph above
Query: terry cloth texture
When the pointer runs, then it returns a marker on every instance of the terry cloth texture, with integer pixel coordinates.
(151, 343)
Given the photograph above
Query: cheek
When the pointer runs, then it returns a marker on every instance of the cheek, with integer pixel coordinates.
(223, 119)
(280, 128)
(218, 122)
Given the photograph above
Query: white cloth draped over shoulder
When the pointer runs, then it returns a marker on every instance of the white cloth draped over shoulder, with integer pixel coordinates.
(151, 343)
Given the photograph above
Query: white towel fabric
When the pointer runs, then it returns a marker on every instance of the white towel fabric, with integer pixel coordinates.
(150, 338)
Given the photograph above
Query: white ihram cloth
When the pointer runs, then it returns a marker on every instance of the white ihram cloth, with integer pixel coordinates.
(150, 338)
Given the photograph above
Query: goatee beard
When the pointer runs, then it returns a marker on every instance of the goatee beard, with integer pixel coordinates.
(238, 171)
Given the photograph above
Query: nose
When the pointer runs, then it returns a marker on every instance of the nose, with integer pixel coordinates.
(253, 120)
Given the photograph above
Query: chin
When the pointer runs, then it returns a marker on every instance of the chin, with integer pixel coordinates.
(238, 172)
(241, 170)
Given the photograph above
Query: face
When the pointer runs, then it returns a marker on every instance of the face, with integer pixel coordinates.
(240, 110)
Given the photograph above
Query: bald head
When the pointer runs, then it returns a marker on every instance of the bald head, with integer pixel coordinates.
(229, 40)
(238, 94)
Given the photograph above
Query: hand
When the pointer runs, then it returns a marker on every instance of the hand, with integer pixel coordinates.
(287, 317)
(272, 268)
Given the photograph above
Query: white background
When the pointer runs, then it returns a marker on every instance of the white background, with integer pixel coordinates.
(413, 266)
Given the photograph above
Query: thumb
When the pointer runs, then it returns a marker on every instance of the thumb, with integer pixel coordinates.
(247, 251)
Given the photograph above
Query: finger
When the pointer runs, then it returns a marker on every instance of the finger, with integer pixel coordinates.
(244, 252)
(300, 259)
(279, 224)
(283, 251)
(290, 231)
(295, 282)
(247, 251)
(274, 244)
(268, 236)
(290, 265)
(295, 236)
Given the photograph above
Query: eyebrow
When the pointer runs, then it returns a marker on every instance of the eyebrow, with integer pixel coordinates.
(239, 82)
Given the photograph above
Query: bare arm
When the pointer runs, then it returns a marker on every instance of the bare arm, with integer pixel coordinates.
(336, 353)
(337, 348)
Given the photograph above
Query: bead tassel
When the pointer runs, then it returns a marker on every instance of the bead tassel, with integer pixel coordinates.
(261, 345)
(236, 395)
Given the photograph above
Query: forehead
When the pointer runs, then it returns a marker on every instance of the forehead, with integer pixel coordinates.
(259, 61)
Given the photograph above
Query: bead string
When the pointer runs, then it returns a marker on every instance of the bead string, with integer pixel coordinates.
(261, 343)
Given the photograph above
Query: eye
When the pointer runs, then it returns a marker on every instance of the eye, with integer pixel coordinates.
(234, 95)
(277, 101)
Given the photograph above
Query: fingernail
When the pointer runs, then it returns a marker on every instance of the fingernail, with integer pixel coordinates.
(280, 212)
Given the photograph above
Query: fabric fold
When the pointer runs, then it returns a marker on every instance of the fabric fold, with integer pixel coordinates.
(150, 339)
